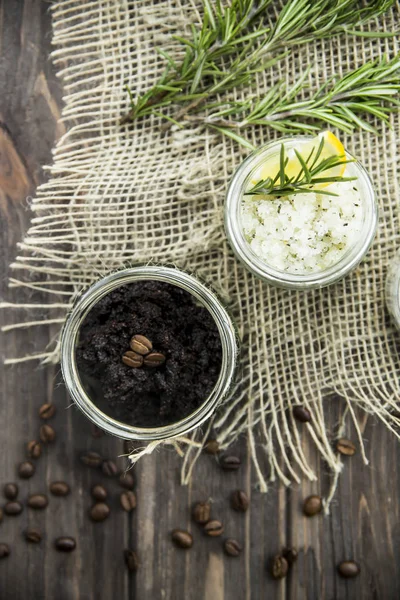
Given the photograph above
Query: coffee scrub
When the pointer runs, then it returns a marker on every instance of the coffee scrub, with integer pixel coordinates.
(148, 353)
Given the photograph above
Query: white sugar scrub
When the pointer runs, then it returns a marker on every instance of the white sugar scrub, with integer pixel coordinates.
(301, 212)
(304, 232)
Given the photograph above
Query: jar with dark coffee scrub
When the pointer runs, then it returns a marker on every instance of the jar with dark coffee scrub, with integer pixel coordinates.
(148, 353)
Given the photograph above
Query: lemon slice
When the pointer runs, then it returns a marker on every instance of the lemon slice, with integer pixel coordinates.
(332, 147)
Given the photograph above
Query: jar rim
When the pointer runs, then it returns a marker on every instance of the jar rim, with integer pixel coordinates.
(174, 276)
(285, 279)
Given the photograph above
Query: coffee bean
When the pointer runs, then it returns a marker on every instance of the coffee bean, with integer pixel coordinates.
(239, 501)
(33, 535)
(128, 501)
(96, 431)
(290, 554)
(230, 463)
(141, 345)
(91, 459)
(99, 493)
(46, 411)
(201, 512)
(131, 560)
(153, 360)
(59, 488)
(345, 447)
(65, 544)
(279, 567)
(99, 511)
(4, 550)
(26, 469)
(11, 491)
(182, 538)
(47, 434)
(312, 505)
(109, 468)
(301, 414)
(132, 359)
(34, 449)
(211, 447)
(348, 568)
(127, 481)
(213, 528)
(232, 547)
(13, 508)
(38, 501)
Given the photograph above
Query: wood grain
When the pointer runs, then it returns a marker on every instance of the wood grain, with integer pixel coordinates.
(364, 520)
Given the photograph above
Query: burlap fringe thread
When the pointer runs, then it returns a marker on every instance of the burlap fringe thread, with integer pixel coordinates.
(118, 194)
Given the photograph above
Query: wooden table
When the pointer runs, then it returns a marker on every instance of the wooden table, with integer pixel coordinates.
(364, 523)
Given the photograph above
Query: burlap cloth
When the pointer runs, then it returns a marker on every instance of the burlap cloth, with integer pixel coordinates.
(119, 194)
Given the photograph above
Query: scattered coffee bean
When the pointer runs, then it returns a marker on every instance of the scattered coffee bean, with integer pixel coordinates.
(182, 538)
(11, 491)
(38, 501)
(213, 528)
(99, 511)
(345, 447)
(46, 411)
(26, 469)
(33, 535)
(34, 449)
(91, 459)
(109, 468)
(290, 554)
(312, 505)
(132, 359)
(126, 480)
(154, 359)
(201, 512)
(230, 463)
(211, 447)
(301, 414)
(99, 493)
(141, 345)
(4, 550)
(128, 500)
(1, 514)
(47, 434)
(59, 488)
(65, 544)
(239, 501)
(13, 508)
(131, 560)
(232, 547)
(279, 567)
(348, 568)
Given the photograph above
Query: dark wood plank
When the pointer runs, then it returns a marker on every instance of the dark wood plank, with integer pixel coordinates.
(365, 514)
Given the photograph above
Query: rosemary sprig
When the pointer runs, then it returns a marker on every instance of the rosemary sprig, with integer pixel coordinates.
(237, 33)
(310, 174)
(371, 90)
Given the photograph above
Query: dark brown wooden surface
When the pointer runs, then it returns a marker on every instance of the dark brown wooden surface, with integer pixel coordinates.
(364, 522)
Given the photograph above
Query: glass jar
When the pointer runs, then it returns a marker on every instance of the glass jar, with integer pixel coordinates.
(70, 333)
(393, 289)
(241, 248)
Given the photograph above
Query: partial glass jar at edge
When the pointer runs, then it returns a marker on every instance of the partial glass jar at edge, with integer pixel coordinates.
(206, 297)
(285, 279)
(393, 289)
